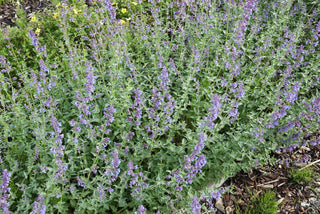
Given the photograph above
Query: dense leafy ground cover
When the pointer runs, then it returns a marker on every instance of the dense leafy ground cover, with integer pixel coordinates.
(133, 106)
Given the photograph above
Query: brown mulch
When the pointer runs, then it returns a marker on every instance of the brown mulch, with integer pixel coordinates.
(8, 14)
(293, 197)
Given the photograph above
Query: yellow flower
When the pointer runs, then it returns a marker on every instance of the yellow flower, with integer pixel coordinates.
(124, 10)
(122, 22)
(58, 5)
(33, 19)
(134, 3)
(76, 11)
(114, 4)
(55, 15)
(37, 31)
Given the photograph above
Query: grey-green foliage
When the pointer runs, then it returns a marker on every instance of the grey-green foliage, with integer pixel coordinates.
(165, 86)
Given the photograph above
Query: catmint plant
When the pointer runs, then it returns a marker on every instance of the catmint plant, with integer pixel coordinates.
(131, 107)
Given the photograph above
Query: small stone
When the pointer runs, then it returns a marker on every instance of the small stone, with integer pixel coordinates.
(317, 183)
(229, 210)
(212, 186)
(301, 164)
(280, 200)
(268, 186)
(317, 190)
(219, 205)
(305, 204)
(312, 200)
(303, 148)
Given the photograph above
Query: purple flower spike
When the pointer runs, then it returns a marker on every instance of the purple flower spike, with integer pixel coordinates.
(195, 206)
(214, 111)
(141, 209)
(5, 190)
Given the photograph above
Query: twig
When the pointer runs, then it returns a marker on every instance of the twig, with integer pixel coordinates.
(269, 182)
(310, 164)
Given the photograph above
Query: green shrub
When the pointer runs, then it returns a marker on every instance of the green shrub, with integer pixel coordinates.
(304, 176)
(265, 203)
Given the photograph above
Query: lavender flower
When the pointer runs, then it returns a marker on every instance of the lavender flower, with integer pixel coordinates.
(137, 181)
(138, 105)
(195, 205)
(90, 78)
(114, 171)
(36, 153)
(80, 182)
(5, 64)
(102, 194)
(43, 169)
(142, 210)
(109, 114)
(62, 168)
(34, 38)
(214, 111)
(198, 147)
(4, 191)
(38, 206)
(233, 112)
(43, 66)
(200, 162)
(188, 167)
(55, 124)
(164, 79)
